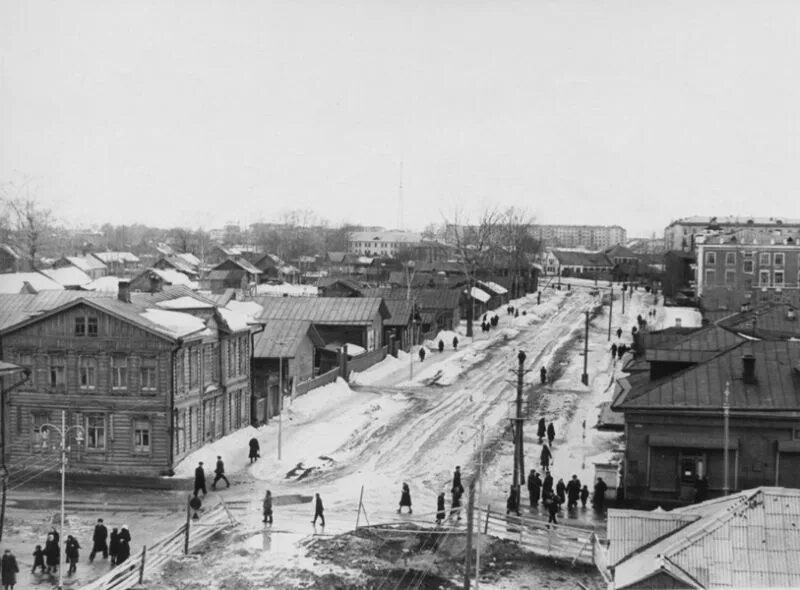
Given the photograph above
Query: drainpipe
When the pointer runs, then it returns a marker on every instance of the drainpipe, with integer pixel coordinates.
(171, 409)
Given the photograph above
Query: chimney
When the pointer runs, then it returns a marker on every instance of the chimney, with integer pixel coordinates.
(124, 292)
(749, 369)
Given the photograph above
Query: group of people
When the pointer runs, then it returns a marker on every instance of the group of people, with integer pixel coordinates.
(553, 496)
(549, 431)
(116, 545)
(219, 472)
(488, 323)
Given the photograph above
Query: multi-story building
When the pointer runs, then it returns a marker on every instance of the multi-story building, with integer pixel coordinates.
(747, 266)
(149, 378)
(682, 234)
(589, 237)
(381, 243)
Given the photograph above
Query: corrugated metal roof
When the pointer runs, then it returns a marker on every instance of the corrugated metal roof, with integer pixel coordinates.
(634, 529)
(68, 276)
(770, 321)
(20, 282)
(281, 338)
(399, 310)
(575, 258)
(86, 263)
(323, 310)
(701, 387)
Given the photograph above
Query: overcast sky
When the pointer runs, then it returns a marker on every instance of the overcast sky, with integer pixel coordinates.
(195, 112)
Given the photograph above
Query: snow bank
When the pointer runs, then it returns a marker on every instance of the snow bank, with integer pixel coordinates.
(379, 371)
(445, 336)
(231, 447)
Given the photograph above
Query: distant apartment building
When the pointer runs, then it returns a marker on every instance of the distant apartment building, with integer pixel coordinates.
(590, 237)
(748, 266)
(682, 234)
(381, 243)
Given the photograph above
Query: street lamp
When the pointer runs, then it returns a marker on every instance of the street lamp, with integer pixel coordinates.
(63, 433)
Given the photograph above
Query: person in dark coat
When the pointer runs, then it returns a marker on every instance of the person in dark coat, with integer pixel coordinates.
(542, 430)
(455, 501)
(621, 350)
(511, 502)
(267, 507)
(8, 570)
(455, 342)
(38, 559)
(405, 498)
(619, 332)
(551, 503)
(701, 489)
(547, 485)
(124, 544)
(200, 479)
(255, 450)
(533, 491)
(561, 491)
(71, 547)
(543, 375)
(551, 432)
(584, 495)
(56, 536)
(599, 497)
(545, 457)
(441, 345)
(220, 474)
(319, 511)
(440, 510)
(421, 354)
(113, 545)
(51, 554)
(573, 492)
(99, 540)
(614, 351)
(457, 479)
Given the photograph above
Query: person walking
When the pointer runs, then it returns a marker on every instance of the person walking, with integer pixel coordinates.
(200, 479)
(319, 510)
(99, 540)
(220, 474)
(421, 353)
(543, 375)
(457, 479)
(561, 491)
(8, 570)
(255, 450)
(455, 342)
(405, 499)
(547, 485)
(440, 510)
(455, 501)
(124, 544)
(599, 498)
(530, 483)
(441, 345)
(551, 503)
(613, 351)
(38, 559)
(619, 333)
(542, 430)
(267, 507)
(512, 502)
(551, 433)
(545, 457)
(573, 491)
(51, 554)
(536, 489)
(71, 547)
(113, 544)
(584, 495)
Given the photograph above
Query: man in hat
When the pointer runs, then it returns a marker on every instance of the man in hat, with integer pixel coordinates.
(220, 474)
(200, 479)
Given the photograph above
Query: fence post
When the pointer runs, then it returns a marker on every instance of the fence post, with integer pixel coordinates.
(593, 540)
(141, 567)
(360, 499)
(486, 525)
(188, 524)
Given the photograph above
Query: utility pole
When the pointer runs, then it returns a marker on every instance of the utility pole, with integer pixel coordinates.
(726, 414)
(624, 288)
(519, 457)
(610, 312)
(280, 403)
(585, 376)
(468, 556)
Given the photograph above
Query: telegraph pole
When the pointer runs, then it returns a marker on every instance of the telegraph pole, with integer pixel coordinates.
(585, 376)
(610, 311)
(726, 414)
(519, 457)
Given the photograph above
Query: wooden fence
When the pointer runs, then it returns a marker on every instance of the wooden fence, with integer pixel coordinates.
(366, 360)
(304, 387)
(186, 537)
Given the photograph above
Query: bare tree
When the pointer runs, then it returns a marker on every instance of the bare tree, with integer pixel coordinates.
(519, 245)
(31, 224)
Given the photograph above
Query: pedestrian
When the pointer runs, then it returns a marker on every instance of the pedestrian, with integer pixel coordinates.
(455, 342)
(51, 553)
(267, 507)
(619, 333)
(551, 503)
(220, 474)
(547, 485)
(531, 478)
(542, 430)
(255, 450)
(621, 350)
(457, 479)
(9, 570)
(71, 547)
(113, 544)
(124, 544)
(99, 540)
(455, 501)
(200, 479)
(516, 313)
(511, 502)
(38, 559)
(613, 351)
(551, 432)
(543, 375)
(405, 499)
(440, 511)
(599, 497)
(545, 457)
(561, 491)
(319, 511)
(584, 495)
(573, 492)
(421, 353)
(535, 489)
(701, 489)
(441, 345)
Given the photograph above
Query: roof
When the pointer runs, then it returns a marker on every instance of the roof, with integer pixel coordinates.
(86, 263)
(734, 220)
(185, 302)
(68, 276)
(493, 287)
(385, 236)
(770, 321)
(9, 250)
(620, 251)
(169, 275)
(745, 540)
(240, 262)
(323, 310)
(433, 299)
(400, 310)
(633, 529)
(10, 368)
(107, 284)
(178, 264)
(479, 294)
(698, 346)
(328, 282)
(579, 258)
(189, 258)
(701, 386)
(281, 338)
(107, 257)
(27, 282)
(745, 237)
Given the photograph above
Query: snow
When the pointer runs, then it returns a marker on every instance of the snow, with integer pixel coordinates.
(287, 289)
(175, 323)
(686, 317)
(381, 370)
(479, 294)
(174, 277)
(237, 322)
(355, 349)
(185, 302)
(250, 309)
(15, 282)
(497, 288)
(68, 276)
(108, 284)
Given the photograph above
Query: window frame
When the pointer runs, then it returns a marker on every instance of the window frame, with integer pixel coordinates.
(80, 326)
(761, 275)
(730, 258)
(782, 262)
(92, 326)
(710, 276)
(711, 257)
(119, 373)
(730, 277)
(136, 447)
(148, 366)
(58, 379)
(764, 259)
(92, 429)
(775, 280)
(89, 364)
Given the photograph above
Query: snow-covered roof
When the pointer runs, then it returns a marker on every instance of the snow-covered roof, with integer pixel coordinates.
(86, 263)
(68, 276)
(185, 302)
(479, 294)
(236, 322)
(116, 256)
(27, 282)
(190, 258)
(249, 309)
(496, 287)
(175, 323)
(287, 289)
(355, 349)
(172, 276)
(104, 284)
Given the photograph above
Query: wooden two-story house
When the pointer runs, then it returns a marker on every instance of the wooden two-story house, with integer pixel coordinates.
(148, 377)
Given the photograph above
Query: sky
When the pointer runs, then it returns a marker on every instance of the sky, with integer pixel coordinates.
(198, 113)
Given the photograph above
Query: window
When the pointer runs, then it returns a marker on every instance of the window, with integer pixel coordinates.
(778, 278)
(711, 257)
(215, 363)
(87, 373)
(194, 369)
(711, 276)
(730, 258)
(96, 432)
(56, 370)
(91, 326)
(748, 262)
(778, 259)
(730, 277)
(147, 374)
(763, 259)
(748, 284)
(179, 370)
(692, 467)
(763, 278)
(80, 326)
(38, 419)
(119, 372)
(141, 436)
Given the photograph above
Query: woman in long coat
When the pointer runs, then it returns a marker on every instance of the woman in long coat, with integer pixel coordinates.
(71, 547)
(9, 570)
(542, 431)
(545, 457)
(405, 499)
(51, 553)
